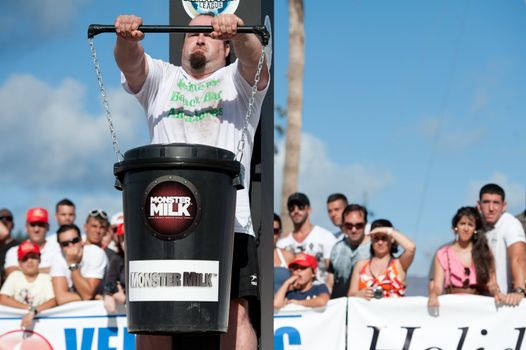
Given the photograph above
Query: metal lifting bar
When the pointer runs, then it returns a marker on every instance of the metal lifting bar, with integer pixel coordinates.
(260, 31)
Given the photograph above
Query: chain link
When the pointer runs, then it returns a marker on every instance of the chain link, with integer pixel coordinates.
(254, 90)
(244, 131)
(105, 103)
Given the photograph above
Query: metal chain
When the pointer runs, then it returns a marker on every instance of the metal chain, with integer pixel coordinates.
(254, 90)
(244, 131)
(105, 103)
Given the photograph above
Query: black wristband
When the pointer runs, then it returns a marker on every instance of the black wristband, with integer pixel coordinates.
(519, 290)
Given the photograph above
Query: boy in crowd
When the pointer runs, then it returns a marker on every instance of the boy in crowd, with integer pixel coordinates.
(28, 288)
(301, 288)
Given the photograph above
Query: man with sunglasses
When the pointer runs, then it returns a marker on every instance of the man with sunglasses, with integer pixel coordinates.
(306, 237)
(348, 251)
(95, 227)
(37, 226)
(78, 271)
(6, 241)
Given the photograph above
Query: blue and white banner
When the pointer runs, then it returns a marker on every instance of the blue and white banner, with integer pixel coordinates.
(83, 325)
(297, 327)
(464, 322)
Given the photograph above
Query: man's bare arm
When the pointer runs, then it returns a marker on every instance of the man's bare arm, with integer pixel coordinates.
(246, 46)
(129, 53)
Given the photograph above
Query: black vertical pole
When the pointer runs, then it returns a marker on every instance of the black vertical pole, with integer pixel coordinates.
(252, 12)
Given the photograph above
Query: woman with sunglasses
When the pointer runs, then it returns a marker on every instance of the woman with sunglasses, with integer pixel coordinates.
(383, 275)
(466, 265)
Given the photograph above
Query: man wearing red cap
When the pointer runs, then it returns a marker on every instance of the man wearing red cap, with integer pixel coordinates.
(301, 288)
(28, 288)
(37, 226)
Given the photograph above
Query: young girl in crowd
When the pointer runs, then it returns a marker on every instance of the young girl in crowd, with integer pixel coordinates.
(466, 265)
(383, 275)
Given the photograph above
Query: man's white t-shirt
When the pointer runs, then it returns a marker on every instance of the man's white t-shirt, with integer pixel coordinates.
(210, 111)
(93, 264)
(32, 293)
(318, 243)
(51, 248)
(507, 231)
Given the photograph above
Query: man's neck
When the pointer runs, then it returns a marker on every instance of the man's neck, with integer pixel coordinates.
(356, 244)
(6, 240)
(301, 232)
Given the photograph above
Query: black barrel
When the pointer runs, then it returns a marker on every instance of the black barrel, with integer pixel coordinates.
(179, 213)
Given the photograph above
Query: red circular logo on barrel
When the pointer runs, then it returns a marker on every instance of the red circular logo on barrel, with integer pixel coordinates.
(172, 207)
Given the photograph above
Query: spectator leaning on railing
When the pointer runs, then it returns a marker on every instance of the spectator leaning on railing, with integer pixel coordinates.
(78, 271)
(28, 288)
(465, 266)
(383, 275)
(115, 278)
(302, 288)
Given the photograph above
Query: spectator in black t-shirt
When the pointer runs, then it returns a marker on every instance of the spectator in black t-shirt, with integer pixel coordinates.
(6, 241)
(114, 286)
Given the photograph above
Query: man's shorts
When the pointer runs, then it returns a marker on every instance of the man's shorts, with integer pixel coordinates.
(245, 275)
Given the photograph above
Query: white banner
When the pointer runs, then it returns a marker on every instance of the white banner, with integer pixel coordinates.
(464, 322)
(297, 327)
(82, 325)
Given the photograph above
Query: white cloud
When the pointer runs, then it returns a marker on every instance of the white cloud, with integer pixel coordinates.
(25, 23)
(48, 139)
(480, 101)
(448, 138)
(320, 176)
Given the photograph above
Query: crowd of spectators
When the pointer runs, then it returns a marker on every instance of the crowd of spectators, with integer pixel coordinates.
(47, 270)
(486, 257)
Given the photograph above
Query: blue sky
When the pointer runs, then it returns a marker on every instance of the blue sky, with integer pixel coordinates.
(410, 106)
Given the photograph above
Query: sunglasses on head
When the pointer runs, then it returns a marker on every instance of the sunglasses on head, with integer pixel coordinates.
(298, 205)
(98, 212)
(65, 244)
(359, 226)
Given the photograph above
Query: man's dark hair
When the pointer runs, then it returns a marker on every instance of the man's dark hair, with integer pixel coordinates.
(67, 202)
(355, 207)
(68, 227)
(278, 219)
(492, 189)
(337, 196)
